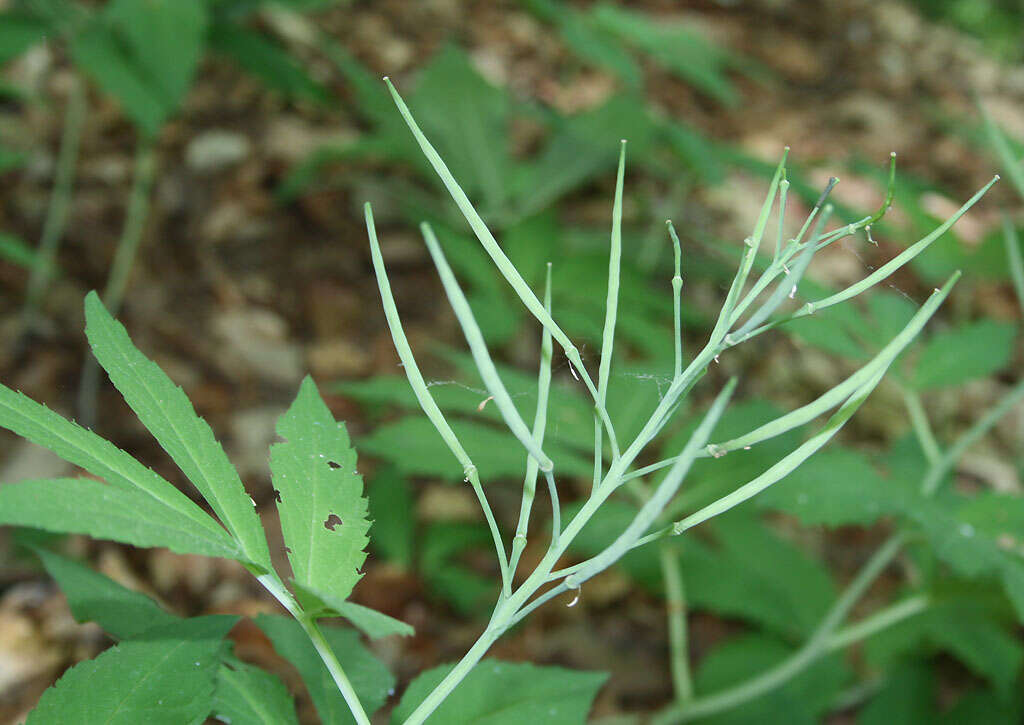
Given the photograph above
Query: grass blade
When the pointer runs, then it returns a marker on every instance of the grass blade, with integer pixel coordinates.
(168, 414)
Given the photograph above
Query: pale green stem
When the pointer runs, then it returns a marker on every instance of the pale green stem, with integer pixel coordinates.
(610, 315)
(501, 260)
(60, 201)
(675, 604)
(969, 438)
(922, 428)
(422, 393)
(880, 620)
(677, 289)
(1013, 257)
(274, 585)
(817, 645)
(539, 425)
(120, 270)
(783, 191)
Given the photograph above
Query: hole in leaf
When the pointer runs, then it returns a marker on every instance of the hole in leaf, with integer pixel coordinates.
(332, 464)
(277, 495)
(332, 521)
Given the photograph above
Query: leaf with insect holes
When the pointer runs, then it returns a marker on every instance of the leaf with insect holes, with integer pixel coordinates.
(323, 512)
(167, 678)
(167, 412)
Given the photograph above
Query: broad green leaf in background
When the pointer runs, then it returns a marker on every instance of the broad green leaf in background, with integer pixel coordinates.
(983, 706)
(837, 487)
(503, 693)
(675, 47)
(16, 250)
(964, 353)
(85, 506)
(18, 32)
(167, 412)
(392, 510)
(442, 542)
(961, 624)
(907, 697)
(144, 53)
(267, 61)
(413, 446)
(771, 582)
(11, 159)
(801, 701)
(464, 114)
(93, 597)
(167, 678)
(369, 677)
(135, 486)
(323, 512)
(246, 694)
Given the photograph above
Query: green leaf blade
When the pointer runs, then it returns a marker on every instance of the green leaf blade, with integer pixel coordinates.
(247, 694)
(506, 693)
(94, 597)
(168, 414)
(80, 446)
(84, 506)
(323, 512)
(165, 679)
(964, 353)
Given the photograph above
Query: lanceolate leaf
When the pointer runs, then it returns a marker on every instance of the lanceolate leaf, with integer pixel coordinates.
(165, 679)
(85, 449)
(94, 597)
(85, 506)
(166, 411)
(246, 694)
(323, 512)
(503, 693)
(374, 624)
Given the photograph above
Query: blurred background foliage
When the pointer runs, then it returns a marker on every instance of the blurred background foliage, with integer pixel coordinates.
(204, 161)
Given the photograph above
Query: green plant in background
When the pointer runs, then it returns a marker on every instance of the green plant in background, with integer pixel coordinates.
(145, 54)
(324, 514)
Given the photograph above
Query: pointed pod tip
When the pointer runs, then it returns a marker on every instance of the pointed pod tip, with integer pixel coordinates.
(386, 79)
(892, 154)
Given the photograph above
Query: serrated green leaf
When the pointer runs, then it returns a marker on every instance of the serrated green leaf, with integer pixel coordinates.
(83, 448)
(248, 695)
(369, 677)
(85, 506)
(837, 487)
(267, 61)
(964, 353)
(167, 678)
(506, 693)
(802, 700)
(94, 597)
(167, 412)
(373, 624)
(323, 512)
